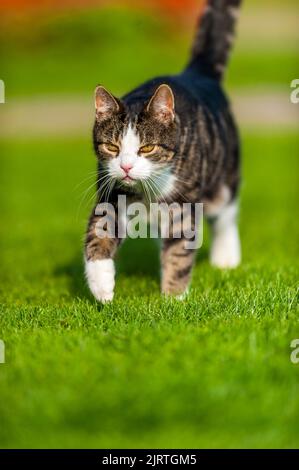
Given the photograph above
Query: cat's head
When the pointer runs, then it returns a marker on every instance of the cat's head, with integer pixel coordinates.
(136, 144)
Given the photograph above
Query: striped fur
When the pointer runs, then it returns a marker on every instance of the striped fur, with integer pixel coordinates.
(214, 36)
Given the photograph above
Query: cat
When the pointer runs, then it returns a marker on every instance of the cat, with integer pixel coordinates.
(177, 134)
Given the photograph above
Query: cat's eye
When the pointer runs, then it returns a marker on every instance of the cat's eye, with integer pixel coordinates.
(147, 149)
(111, 148)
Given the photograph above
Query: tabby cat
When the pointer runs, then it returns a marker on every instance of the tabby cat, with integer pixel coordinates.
(176, 134)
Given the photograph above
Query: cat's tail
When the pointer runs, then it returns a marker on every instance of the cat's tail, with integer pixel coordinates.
(214, 37)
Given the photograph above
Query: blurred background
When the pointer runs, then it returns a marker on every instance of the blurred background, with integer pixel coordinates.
(52, 55)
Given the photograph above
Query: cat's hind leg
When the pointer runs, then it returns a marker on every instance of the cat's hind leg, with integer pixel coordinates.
(225, 249)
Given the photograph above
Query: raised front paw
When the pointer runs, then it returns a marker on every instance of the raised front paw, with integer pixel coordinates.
(100, 277)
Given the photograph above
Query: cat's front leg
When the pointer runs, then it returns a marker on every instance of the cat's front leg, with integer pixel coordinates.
(99, 263)
(176, 263)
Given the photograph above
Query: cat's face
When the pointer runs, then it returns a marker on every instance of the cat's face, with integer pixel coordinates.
(137, 149)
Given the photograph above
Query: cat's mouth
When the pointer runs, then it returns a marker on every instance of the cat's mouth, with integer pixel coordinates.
(128, 180)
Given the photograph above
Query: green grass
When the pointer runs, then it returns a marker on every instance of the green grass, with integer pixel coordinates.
(212, 371)
(144, 371)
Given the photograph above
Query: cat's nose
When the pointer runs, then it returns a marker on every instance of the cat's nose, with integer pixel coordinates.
(126, 167)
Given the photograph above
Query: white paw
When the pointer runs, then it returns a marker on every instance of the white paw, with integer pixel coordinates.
(100, 277)
(226, 250)
(183, 296)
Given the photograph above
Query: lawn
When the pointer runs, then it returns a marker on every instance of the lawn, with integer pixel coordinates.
(143, 371)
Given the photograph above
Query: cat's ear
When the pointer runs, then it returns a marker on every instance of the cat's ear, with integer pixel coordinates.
(161, 105)
(106, 105)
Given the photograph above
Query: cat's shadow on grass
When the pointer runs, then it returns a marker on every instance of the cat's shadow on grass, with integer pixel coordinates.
(138, 257)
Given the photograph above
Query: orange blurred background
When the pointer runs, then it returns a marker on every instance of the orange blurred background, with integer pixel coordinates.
(173, 7)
